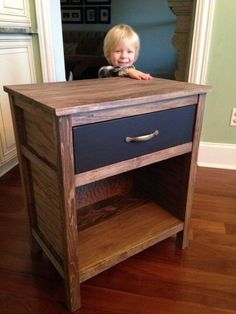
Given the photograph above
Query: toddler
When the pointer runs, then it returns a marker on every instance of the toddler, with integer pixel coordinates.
(121, 49)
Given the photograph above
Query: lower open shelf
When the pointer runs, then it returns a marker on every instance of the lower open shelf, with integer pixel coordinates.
(113, 240)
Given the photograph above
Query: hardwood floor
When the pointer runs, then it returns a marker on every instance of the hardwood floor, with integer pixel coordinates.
(162, 279)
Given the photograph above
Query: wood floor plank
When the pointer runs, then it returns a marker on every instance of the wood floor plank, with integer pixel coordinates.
(158, 280)
(205, 225)
(135, 304)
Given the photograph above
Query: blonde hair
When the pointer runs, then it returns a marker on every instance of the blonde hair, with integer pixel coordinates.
(118, 33)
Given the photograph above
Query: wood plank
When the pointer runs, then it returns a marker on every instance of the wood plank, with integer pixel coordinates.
(103, 189)
(104, 245)
(131, 164)
(110, 114)
(40, 135)
(127, 302)
(68, 214)
(107, 208)
(89, 95)
(182, 238)
(46, 193)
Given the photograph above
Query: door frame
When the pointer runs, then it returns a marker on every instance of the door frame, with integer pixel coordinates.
(200, 48)
(48, 14)
(51, 43)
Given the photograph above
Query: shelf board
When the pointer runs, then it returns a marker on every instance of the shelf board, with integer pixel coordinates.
(114, 240)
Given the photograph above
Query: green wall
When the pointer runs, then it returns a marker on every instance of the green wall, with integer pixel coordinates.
(221, 74)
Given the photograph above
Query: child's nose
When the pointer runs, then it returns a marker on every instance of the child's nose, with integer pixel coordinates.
(124, 54)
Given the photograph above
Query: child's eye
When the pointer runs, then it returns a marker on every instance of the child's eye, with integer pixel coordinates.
(130, 51)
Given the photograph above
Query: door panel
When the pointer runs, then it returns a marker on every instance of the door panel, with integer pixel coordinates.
(14, 12)
(17, 67)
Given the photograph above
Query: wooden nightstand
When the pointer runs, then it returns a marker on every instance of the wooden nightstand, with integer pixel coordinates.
(108, 168)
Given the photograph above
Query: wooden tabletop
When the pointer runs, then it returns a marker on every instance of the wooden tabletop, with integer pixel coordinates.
(88, 95)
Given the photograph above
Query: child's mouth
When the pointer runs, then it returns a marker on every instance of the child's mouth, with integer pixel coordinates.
(123, 64)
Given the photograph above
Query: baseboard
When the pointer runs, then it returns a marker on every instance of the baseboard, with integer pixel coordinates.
(8, 166)
(217, 155)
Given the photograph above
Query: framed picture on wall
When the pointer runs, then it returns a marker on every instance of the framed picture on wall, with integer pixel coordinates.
(104, 15)
(98, 2)
(65, 2)
(72, 16)
(71, 2)
(91, 15)
(76, 2)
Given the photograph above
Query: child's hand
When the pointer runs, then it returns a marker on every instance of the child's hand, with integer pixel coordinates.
(138, 75)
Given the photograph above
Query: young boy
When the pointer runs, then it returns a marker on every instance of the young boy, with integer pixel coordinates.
(121, 49)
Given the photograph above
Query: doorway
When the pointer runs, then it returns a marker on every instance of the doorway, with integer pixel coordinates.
(50, 53)
(155, 23)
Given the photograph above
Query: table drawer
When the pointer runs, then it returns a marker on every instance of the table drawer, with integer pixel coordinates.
(104, 143)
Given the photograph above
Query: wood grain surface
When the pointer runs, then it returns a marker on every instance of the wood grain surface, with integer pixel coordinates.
(90, 95)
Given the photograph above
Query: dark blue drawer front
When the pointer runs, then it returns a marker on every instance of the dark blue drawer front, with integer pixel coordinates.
(103, 143)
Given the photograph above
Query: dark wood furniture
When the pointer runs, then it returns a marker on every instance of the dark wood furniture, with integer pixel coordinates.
(108, 168)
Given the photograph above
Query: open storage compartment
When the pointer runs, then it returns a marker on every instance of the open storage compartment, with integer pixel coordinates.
(121, 215)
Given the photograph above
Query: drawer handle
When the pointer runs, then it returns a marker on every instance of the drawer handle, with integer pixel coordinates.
(142, 138)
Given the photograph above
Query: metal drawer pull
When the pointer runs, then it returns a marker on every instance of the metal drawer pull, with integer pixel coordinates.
(142, 138)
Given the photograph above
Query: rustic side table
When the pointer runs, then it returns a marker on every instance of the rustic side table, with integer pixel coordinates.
(108, 168)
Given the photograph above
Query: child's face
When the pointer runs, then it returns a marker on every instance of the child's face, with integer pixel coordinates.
(123, 54)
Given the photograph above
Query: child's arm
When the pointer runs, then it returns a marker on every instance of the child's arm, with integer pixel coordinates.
(133, 73)
(138, 75)
(109, 71)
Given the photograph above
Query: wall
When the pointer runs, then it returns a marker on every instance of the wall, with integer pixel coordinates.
(155, 24)
(221, 73)
(218, 140)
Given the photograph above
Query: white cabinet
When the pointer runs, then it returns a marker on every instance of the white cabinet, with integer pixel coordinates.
(17, 17)
(14, 12)
(17, 67)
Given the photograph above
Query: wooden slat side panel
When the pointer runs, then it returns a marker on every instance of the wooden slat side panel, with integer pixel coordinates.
(19, 130)
(47, 207)
(40, 135)
(39, 180)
